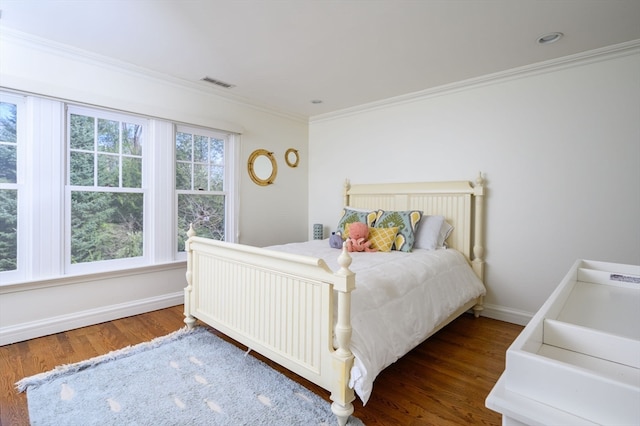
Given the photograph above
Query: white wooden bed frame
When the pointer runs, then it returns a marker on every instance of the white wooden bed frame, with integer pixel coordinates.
(281, 305)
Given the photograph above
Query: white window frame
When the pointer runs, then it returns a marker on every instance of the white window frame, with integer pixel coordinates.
(229, 191)
(123, 263)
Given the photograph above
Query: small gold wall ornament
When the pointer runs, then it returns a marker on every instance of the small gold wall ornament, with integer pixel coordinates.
(262, 167)
(291, 157)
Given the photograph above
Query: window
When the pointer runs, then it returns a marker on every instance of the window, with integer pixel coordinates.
(86, 190)
(202, 185)
(105, 185)
(9, 183)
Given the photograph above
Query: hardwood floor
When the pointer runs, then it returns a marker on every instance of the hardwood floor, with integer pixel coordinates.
(444, 381)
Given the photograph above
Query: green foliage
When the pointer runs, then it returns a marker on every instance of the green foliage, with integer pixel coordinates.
(8, 230)
(105, 226)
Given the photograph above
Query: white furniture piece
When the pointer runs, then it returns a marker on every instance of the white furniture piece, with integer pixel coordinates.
(295, 310)
(577, 362)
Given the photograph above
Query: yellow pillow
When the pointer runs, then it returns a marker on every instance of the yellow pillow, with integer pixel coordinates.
(382, 238)
(345, 234)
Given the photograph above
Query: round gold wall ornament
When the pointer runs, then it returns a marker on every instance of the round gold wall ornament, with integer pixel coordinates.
(262, 167)
(291, 157)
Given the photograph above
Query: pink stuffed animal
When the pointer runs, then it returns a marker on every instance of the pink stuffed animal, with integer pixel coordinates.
(357, 241)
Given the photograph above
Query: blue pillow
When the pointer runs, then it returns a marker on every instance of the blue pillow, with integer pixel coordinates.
(350, 215)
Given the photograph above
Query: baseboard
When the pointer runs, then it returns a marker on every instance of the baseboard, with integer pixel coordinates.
(44, 327)
(503, 313)
(31, 330)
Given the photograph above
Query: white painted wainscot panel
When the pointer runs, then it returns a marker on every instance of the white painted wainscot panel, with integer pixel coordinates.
(577, 362)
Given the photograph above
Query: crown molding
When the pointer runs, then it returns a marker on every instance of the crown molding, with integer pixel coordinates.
(9, 35)
(51, 47)
(579, 59)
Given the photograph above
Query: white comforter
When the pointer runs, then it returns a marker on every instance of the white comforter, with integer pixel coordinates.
(399, 299)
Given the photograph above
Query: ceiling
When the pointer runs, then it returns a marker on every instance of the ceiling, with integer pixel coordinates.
(283, 54)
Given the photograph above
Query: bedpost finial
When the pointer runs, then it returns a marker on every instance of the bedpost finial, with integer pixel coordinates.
(191, 232)
(344, 260)
(480, 179)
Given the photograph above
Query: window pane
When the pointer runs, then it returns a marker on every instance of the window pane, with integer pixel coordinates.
(108, 135)
(217, 151)
(8, 121)
(183, 176)
(8, 230)
(183, 146)
(81, 169)
(195, 167)
(108, 170)
(131, 142)
(200, 149)
(8, 155)
(205, 212)
(217, 178)
(105, 226)
(8, 142)
(200, 177)
(82, 132)
(131, 172)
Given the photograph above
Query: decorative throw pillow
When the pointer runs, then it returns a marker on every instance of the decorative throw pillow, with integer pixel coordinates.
(350, 215)
(407, 223)
(382, 238)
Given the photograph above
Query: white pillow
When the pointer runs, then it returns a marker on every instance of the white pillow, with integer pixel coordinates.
(445, 231)
(429, 232)
(432, 232)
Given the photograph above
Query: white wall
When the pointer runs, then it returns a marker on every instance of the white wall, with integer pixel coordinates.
(560, 148)
(268, 215)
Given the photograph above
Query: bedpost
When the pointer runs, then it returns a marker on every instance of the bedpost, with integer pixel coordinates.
(345, 192)
(188, 318)
(478, 239)
(341, 394)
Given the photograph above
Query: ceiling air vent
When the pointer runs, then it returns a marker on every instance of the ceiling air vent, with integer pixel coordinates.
(218, 82)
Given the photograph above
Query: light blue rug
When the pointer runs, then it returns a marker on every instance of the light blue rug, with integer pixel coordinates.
(185, 378)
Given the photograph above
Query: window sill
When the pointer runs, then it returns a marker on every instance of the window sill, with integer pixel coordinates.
(80, 278)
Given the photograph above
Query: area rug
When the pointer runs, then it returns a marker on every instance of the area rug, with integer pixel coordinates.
(190, 377)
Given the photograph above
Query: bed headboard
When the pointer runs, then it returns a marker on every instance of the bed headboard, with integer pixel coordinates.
(460, 202)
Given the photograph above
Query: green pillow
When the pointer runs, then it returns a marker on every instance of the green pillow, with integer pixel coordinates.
(350, 215)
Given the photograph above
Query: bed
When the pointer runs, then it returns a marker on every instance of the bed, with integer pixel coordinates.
(338, 318)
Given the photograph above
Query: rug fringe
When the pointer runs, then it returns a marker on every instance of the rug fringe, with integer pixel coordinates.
(38, 379)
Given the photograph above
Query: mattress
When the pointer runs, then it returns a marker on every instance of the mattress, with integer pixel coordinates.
(399, 299)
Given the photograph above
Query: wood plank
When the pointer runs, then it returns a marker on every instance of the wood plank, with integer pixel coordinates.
(444, 381)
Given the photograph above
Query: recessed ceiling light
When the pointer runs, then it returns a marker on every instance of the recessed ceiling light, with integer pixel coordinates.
(549, 38)
(316, 101)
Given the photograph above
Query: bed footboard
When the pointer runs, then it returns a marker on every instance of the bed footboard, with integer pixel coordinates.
(278, 304)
